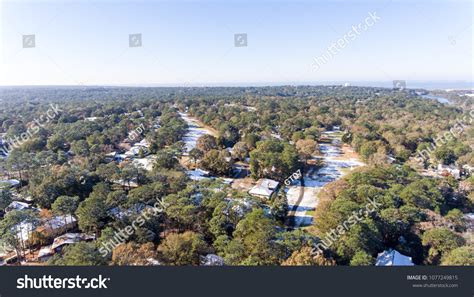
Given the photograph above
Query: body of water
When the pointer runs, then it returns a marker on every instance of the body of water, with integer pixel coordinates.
(437, 98)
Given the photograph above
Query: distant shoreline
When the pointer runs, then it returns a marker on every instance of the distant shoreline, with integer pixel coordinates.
(430, 86)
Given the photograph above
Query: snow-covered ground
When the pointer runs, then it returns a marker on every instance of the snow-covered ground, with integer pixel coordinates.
(334, 162)
(190, 139)
(309, 200)
(198, 174)
(145, 163)
(194, 132)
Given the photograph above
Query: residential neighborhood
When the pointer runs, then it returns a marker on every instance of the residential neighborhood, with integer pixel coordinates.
(128, 184)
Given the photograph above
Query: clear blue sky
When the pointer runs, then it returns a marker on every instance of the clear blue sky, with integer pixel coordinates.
(193, 42)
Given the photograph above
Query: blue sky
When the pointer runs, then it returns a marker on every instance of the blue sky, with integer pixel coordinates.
(192, 42)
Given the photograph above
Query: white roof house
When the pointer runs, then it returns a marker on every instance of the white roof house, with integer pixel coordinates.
(70, 238)
(111, 154)
(449, 170)
(197, 174)
(17, 205)
(393, 258)
(9, 182)
(132, 183)
(135, 209)
(67, 238)
(152, 262)
(212, 260)
(58, 223)
(264, 188)
(52, 225)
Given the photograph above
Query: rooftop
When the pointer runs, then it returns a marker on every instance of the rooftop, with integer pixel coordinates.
(264, 187)
(70, 238)
(393, 258)
(10, 182)
(17, 205)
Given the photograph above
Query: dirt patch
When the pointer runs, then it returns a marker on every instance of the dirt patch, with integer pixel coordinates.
(348, 153)
(243, 184)
(211, 130)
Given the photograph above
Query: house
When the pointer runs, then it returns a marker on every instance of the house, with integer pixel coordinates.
(131, 184)
(109, 157)
(70, 238)
(211, 260)
(264, 188)
(50, 227)
(17, 205)
(275, 135)
(135, 209)
(198, 174)
(445, 170)
(152, 262)
(9, 183)
(391, 257)
(57, 225)
(46, 252)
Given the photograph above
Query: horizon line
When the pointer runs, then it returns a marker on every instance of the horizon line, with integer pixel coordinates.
(346, 83)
